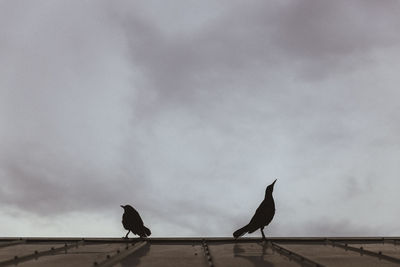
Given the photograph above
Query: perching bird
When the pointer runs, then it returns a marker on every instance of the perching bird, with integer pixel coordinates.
(133, 223)
(263, 216)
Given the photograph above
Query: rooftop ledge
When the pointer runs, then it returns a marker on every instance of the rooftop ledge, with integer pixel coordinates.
(200, 251)
(199, 239)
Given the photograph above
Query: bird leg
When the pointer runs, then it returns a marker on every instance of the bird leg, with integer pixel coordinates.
(262, 232)
(127, 234)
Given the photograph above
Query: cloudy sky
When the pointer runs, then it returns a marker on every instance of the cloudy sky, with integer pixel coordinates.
(188, 109)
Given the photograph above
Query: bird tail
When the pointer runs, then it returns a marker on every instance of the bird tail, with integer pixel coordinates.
(241, 231)
(146, 231)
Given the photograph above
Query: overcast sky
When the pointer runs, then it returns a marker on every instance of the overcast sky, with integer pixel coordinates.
(188, 109)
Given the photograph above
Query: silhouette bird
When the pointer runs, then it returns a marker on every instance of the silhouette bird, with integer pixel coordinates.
(263, 216)
(133, 223)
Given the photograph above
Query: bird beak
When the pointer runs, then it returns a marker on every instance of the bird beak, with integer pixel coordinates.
(122, 206)
(274, 182)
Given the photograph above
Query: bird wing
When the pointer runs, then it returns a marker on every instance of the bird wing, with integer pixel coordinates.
(259, 214)
(135, 217)
(258, 218)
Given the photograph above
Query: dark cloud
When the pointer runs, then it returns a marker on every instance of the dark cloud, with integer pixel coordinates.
(313, 38)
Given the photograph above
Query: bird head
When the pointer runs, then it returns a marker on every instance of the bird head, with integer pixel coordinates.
(270, 188)
(127, 207)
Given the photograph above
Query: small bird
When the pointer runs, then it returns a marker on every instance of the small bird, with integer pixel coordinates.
(263, 216)
(133, 223)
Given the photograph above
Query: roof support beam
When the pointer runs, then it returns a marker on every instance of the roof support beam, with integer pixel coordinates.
(121, 254)
(363, 251)
(392, 241)
(207, 253)
(295, 256)
(18, 259)
(13, 243)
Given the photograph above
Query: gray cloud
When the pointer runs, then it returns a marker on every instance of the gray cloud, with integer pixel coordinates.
(189, 118)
